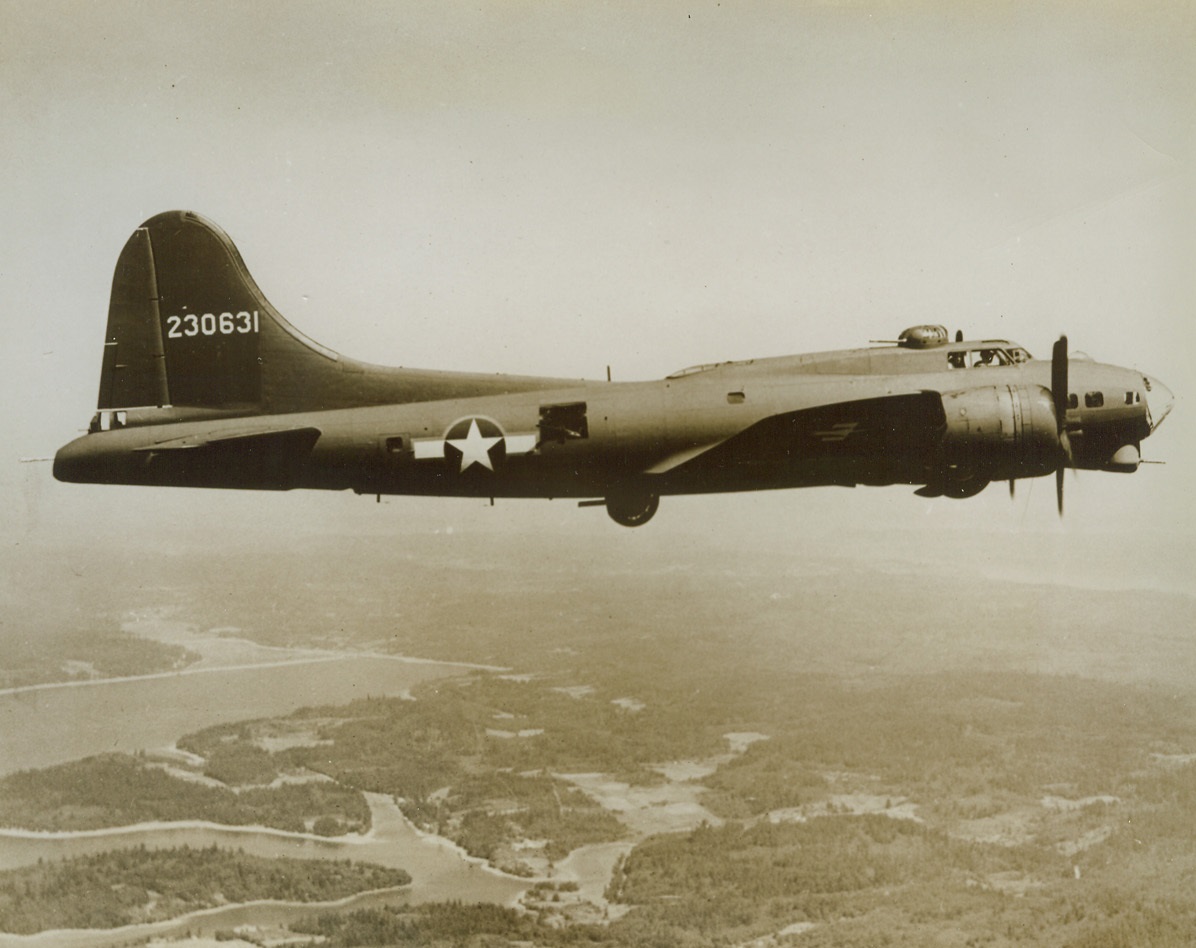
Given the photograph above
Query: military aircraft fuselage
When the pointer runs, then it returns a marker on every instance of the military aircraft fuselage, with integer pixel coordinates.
(256, 405)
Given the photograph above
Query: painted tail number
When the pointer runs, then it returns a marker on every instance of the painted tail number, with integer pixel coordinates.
(211, 324)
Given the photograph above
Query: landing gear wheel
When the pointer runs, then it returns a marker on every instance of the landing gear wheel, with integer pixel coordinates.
(632, 510)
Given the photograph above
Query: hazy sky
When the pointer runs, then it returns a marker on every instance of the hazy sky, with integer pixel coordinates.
(554, 187)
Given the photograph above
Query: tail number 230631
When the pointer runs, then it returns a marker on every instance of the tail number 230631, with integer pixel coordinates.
(211, 324)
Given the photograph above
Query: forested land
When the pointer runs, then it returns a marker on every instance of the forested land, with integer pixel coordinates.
(34, 656)
(121, 789)
(475, 760)
(1048, 810)
(127, 886)
(478, 759)
(1056, 808)
(841, 881)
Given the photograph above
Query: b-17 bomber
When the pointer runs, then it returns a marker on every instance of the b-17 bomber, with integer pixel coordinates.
(205, 384)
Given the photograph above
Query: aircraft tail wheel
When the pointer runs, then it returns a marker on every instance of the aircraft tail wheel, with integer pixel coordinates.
(632, 510)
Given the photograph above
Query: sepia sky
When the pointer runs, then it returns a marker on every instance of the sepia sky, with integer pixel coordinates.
(557, 187)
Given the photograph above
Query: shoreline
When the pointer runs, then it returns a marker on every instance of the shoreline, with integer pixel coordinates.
(163, 826)
(248, 666)
(380, 806)
(141, 929)
(381, 832)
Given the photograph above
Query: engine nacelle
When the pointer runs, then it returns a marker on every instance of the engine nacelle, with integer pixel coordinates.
(1000, 432)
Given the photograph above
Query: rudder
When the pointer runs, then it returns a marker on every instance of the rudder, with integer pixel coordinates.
(134, 369)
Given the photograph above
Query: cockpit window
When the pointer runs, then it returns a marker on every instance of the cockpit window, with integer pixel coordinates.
(983, 357)
(1019, 355)
(978, 358)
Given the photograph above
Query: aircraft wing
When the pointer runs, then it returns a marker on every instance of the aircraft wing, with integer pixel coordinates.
(872, 432)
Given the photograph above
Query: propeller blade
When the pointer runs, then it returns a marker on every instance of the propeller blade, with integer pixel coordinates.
(1065, 445)
(1059, 386)
(1012, 488)
(1059, 382)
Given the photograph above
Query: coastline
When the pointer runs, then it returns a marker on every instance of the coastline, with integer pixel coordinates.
(386, 814)
(54, 936)
(250, 666)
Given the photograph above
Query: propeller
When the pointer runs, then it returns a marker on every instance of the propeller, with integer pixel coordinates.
(1059, 395)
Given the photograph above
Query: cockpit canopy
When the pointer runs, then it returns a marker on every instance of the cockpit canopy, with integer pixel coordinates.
(963, 356)
(986, 354)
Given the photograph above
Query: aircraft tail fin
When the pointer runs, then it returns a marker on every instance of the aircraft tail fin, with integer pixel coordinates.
(188, 327)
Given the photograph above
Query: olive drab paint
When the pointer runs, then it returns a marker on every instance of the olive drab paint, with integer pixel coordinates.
(203, 383)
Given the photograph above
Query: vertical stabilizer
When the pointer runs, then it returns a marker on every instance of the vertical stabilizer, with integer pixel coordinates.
(209, 313)
(184, 321)
(189, 328)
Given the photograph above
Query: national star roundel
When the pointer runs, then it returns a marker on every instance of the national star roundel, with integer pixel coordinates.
(474, 445)
(474, 442)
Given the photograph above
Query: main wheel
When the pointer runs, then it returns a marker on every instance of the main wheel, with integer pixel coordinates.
(632, 510)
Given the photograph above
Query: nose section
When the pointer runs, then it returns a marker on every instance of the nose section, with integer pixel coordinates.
(1159, 401)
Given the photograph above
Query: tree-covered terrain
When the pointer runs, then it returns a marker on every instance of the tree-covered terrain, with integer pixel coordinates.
(1024, 775)
(835, 882)
(476, 760)
(1015, 801)
(1011, 809)
(33, 655)
(121, 789)
(122, 887)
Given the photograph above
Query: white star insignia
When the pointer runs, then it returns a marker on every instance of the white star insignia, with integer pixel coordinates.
(474, 448)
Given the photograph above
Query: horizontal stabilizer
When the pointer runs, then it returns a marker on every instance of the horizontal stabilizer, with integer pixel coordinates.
(256, 437)
(257, 460)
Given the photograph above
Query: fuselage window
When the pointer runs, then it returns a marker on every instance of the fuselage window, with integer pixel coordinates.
(107, 420)
(563, 422)
(1094, 399)
(1133, 398)
(1073, 400)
